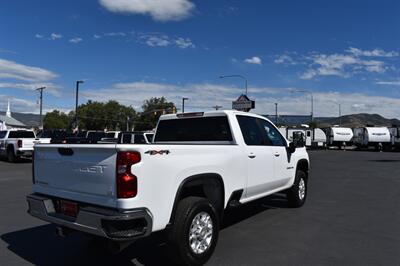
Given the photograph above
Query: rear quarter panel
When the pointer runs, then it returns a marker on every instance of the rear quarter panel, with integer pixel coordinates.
(159, 176)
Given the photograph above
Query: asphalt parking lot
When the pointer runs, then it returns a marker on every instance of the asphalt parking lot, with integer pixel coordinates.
(351, 217)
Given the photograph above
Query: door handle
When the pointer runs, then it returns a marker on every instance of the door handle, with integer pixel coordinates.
(277, 154)
(252, 156)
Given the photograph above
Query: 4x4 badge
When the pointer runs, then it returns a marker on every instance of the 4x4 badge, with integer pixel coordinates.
(155, 152)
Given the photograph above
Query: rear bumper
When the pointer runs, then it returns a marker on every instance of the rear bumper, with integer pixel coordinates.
(109, 223)
(27, 153)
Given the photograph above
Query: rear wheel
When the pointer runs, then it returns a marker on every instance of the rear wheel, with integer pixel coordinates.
(297, 194)
(194, 234)
(11, 155)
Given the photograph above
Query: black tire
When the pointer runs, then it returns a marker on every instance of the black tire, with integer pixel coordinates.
(293, 193)
(11, 155)
(179, 249)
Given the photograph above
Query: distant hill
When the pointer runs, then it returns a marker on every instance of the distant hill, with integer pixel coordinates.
(357, 120)
(354, 120)
(31, 120)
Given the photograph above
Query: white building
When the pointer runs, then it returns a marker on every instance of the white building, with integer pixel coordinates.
(6, 121)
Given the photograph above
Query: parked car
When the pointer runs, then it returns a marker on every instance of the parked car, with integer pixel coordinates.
(16, 143)
(134, 137)
(55, 135)
(86, 137)
(198, 165)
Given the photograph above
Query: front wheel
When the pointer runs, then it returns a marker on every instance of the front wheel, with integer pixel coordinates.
(297, 194)
(11, 156)
(194, 234)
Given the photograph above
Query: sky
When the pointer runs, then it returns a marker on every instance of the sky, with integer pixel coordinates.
(342, 52)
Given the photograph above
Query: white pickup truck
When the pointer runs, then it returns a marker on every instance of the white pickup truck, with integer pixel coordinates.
(198, 165)
(15, 143)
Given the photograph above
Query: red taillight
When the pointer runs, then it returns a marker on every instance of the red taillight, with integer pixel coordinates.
(19, 143)
(126, 181)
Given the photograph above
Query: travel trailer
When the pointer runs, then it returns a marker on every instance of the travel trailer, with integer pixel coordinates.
(377, 137)
(395, 137)
(315, 138)
(339, 137)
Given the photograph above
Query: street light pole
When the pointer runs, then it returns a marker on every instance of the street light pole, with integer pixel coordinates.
(76, 102)
(236, 76)
(340, 115)
(41, 105)
(183, 104)
(276, 113)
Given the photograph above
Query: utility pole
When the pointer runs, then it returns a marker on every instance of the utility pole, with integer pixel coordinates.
(276, 114)
(41, 106)
(76, 102)
(340, 115)
(183, 104)
(127, 123)
(217, 107)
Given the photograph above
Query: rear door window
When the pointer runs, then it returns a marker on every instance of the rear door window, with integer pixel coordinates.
(251, 130)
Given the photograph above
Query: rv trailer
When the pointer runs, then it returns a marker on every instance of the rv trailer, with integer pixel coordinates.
(395, 137)
(377, 137)
(339, 137)
(314, 138)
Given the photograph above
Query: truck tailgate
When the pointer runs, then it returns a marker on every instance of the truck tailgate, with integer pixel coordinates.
(81, 172)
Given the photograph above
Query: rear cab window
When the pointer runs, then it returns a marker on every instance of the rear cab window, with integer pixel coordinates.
(195, 129)
(21, 134)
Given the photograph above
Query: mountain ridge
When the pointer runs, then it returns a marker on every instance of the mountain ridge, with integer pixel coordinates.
(352, 120)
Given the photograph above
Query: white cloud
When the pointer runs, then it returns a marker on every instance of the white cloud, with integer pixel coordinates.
(96, 36)
(375, 52)
(23, 77)
(112, 34)
(342, 65)
(18, 105)
(352, 61)
(27, 106)
(162, 40)
(390, 83)
(13, 70)
(202, 96)
(285, 59)
(156, 40)
(39, 36)
(51, 88)
(75, 40)
(159, 10)
(184, 43)
(55, 36)
(254, 60)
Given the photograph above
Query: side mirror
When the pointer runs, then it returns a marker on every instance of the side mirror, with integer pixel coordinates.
(292, 147)
(298, 141)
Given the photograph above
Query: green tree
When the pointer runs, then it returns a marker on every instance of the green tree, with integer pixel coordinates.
(99, 116)
(56, 120)
(153, 108)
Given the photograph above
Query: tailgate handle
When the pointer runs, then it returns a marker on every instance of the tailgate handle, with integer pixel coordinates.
(65, 151)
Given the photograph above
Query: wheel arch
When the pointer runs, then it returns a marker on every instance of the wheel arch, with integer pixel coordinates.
(207, 185)
(303, 165)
